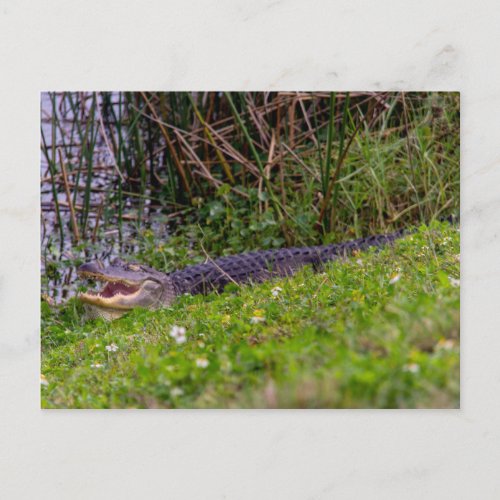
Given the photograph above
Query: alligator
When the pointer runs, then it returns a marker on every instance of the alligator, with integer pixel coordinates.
(129, 284)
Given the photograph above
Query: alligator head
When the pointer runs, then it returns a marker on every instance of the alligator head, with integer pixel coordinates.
(126, 285)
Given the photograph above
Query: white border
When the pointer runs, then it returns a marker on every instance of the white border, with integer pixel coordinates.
(236, 44)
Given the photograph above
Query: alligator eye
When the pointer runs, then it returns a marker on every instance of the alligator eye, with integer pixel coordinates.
(134, 267)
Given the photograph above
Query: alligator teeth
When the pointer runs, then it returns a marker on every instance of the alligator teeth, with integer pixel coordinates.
(110, 298)
(114, 289)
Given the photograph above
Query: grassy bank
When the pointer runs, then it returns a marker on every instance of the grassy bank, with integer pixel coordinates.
(380, 330)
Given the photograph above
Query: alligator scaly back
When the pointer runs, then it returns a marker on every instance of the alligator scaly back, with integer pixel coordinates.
(266, 264)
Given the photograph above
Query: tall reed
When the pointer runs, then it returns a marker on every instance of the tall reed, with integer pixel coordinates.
(333, 160)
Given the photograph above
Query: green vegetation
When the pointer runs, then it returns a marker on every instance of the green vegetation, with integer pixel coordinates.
(380, 330)
(254, 170)
(137, 172)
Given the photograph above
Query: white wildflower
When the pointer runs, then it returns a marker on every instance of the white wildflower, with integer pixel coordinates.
(43, 380)
(394, 279)
(412, 368)
(359, 262)
(276, 291)
(201, 362)
(256, 319)
(112, 348)
(96, 365)
(454, 282)
(176, 391)
(178, 333)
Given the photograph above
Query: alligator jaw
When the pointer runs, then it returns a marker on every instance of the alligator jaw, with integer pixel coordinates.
(116, 294)
(126, 286)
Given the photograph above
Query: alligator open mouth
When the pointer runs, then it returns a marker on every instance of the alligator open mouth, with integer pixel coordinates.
(124, 286)
(116, 294)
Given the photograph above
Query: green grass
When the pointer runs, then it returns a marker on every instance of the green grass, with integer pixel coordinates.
(343, 338)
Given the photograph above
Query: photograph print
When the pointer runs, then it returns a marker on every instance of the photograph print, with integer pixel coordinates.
(250, 250)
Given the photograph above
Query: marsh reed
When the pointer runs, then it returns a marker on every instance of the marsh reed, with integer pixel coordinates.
(315, 165)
